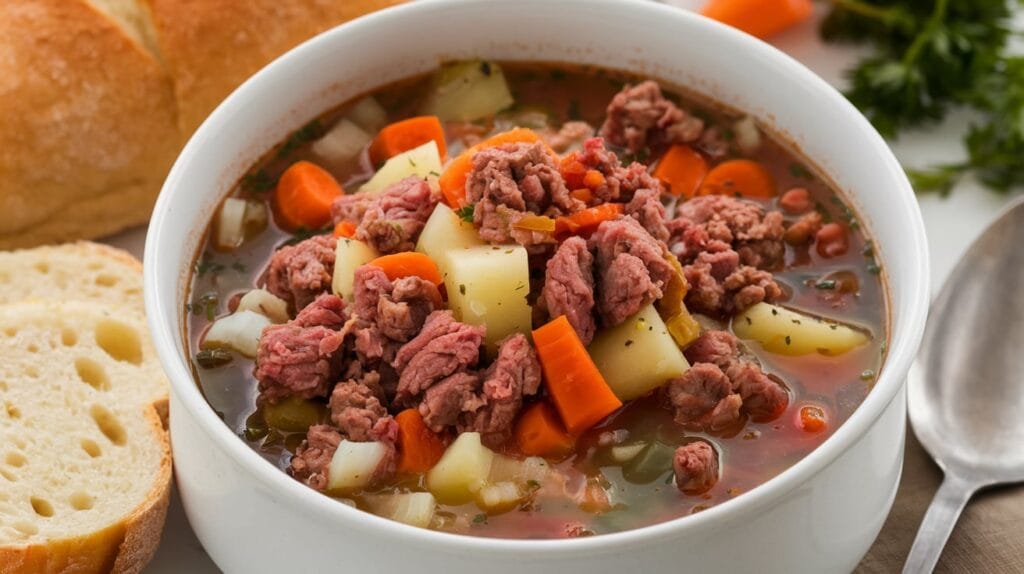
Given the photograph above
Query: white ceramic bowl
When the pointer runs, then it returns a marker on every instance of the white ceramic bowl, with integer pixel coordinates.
(821, 515)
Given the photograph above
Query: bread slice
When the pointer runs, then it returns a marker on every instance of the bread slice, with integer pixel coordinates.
(74, 271)
(85, 467)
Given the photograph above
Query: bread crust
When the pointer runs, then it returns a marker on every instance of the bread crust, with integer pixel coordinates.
(87, 123)
(123, 548)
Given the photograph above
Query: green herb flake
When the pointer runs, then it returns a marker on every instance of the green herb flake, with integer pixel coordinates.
(775, 311)
(825, 284)
(258, 181)
(789, 340)
(462, 289)
(480, 519)
(467, 212)
(798, 170)
(629, 342)
(213, 358)
(302, 136)
(208, 265)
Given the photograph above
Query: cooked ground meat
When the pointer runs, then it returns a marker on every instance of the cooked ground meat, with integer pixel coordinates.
(646, 207)
(803, 230)
(569, 287)
(357, 410)
(621, 182)
(720, 286)
(515, 373)
(313, 457)
(707, 222)
(632, 269)
(571, 135)
(390, 313)
(696, 467)
(445, 402)
(719, 374)
(298, 361)
(703, 398)
(444, 346)
(511, 179)
(327, 310)
(298, 273)
(640, 117)
(393, 222)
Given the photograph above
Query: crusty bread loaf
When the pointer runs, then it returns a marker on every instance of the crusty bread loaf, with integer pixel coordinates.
(83, 270)
(85, 465)
(92, 113)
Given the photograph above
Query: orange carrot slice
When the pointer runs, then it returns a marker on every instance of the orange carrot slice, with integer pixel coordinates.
(761, 18)
(409, 263)
(303, 196)
(682, 169)
(539, 432)
(405, 135)
(419, 448)
(739, 178)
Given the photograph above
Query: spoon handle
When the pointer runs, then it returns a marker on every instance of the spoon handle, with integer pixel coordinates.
(938, 524)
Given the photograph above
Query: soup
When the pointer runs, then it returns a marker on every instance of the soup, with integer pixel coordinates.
(534, 301)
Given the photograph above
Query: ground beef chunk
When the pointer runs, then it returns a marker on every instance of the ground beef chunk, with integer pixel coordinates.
(298, 273)
(447, 401)
(327, 310)
(640, 117)
(390, 313)
(621, 182)
(371, 283)
(313, 457)
(507, 181)
(703, 398)
(393, 222)
(569, 287)
(720, 286)
(514, 374)
(646, 207)
(357, 410)
(444, 346)
(696, 467)
(712, 222)
(803, 230)
(719, 381)
(632, 269)
(570, 135)
(298, 361)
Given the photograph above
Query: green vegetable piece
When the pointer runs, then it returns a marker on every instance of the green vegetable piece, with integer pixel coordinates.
(213, 358)
(294, 414)
(650, 465)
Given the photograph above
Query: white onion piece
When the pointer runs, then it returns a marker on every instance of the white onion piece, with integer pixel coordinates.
(341, 145)
(265, 303)
(239, 331)
(231, 223)
(414, 508)
(626, 452)
(747, 134)
(353, 464)
(505, 469)
(500, 497)
(368, 114)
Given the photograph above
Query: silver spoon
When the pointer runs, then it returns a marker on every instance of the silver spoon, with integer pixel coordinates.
(966, 390)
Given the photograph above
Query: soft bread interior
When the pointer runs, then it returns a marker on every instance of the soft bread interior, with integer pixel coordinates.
(86, 271)
(81, 446)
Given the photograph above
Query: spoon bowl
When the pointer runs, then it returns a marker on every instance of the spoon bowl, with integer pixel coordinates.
(966, 390)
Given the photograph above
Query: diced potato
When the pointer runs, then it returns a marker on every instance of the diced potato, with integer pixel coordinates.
(354, 464)
(508, 469)
(747, 134)
(265, 303)
(444, 233)
(788, 332)
(341, 145)
(637, 356)
(488, 285)
(462, 470)
(240, 331)
(468, 91)
(423, 162)
(368, 114)
(349, 255)
(414, 508)
(231, 223)
(499, 497)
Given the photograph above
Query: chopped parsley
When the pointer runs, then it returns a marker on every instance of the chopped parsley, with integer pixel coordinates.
(789, 340)
(467, 212)
(302, 136)
(208, 265)
(462, 288)
(799, 171)
(205, 305)
(480, 519)
(826, 284)
(213, 358)
(258, 181)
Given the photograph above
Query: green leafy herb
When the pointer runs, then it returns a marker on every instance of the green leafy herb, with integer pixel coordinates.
(208, 265)
(480, 519)
(467, 212)
(213, 358)
(258, 181)
(931, 56)
(205, 305)
(826, 284)
(302, 136)
(799, 171)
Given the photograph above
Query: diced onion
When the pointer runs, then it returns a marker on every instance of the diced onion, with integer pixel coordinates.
(747, 134)
(231, 223)
(368, 114)
(240, 331)
(500, 497)
(505, 468)
(626, 452)
(414, 508)
(354, 464)
(265, 303)
(341, 145)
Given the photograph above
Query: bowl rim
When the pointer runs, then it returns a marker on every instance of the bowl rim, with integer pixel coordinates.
(901, 351)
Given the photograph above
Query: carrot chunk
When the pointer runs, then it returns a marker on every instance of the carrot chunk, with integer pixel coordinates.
(409, 263)
(345, 229)
(405, 135)
(761, 18)
(539, 432)
(586, 221)
(682, 169)
(739, 178)
(581, 395)
(304, 195)
(419, 448)
(811, 419)
(453, 180)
